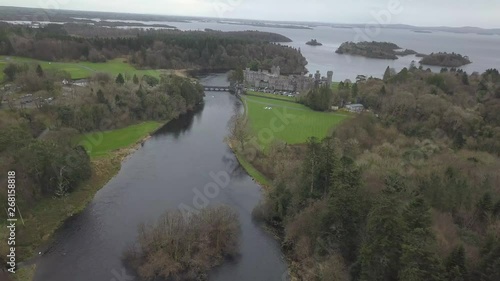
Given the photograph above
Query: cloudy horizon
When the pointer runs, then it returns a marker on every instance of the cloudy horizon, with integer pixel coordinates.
(453, 13)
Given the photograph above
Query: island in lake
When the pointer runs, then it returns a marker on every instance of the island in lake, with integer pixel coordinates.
(377, 50)
(422, 31)
(314, 42)
(445, 59)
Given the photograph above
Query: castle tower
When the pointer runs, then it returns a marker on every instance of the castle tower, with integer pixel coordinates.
(276, 71)
(317, 78)
(329, 78)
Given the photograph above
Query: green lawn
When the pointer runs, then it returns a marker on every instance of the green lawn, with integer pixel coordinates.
(270, 96)
(304, 124)
(120, 138)
(79, 70)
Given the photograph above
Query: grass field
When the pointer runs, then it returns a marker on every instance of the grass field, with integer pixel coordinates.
(304, 124)
(79, 70)
(120, 138)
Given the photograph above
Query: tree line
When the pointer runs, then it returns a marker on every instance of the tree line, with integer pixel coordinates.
(165, 49)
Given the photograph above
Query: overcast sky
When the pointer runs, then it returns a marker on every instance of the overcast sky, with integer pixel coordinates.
(481, 13)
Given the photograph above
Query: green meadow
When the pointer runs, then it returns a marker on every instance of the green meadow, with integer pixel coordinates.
(79, 70)
(120, 138)
(304, 124)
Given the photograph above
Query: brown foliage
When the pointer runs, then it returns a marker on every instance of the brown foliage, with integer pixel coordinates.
(185, 246)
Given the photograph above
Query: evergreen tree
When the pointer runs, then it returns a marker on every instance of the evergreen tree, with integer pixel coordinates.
(465, 78)
(395, 183)
(100, 97)
(417, 215)
(119, 79)
(455, 264)
(346, 217)
(11, 71)
(387, 74)
(354, 91)
(280, 198)
(489, 265)
(254, 65)
(459, 140)
(383, 91)
(496, 209)
(39, 71)
(311, 167)
(419, 262)
(381, 250)
(484, 207)
(237, 76)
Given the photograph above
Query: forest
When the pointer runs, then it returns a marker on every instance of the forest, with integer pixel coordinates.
(43, 140)
(409, 190)
(152, 49)
(108, 103)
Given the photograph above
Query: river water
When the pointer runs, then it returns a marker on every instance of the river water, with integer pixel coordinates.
(170, 169)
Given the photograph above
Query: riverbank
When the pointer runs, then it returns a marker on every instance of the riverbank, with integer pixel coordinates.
(260, 108)
(41, 223)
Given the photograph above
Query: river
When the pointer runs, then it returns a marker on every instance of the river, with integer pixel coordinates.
(170, 169)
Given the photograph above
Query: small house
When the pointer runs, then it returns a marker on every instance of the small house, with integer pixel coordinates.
(357, 107)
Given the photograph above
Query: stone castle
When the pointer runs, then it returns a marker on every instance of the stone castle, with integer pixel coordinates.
(273, 80)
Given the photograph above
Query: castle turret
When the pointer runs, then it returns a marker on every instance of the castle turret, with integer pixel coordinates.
(276, 70)
(317, 78)
(329, 78)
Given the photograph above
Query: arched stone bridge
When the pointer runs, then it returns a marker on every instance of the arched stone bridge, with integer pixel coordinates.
(217, 88)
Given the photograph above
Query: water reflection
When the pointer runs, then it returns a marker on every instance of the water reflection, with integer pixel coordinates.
(182, 124)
